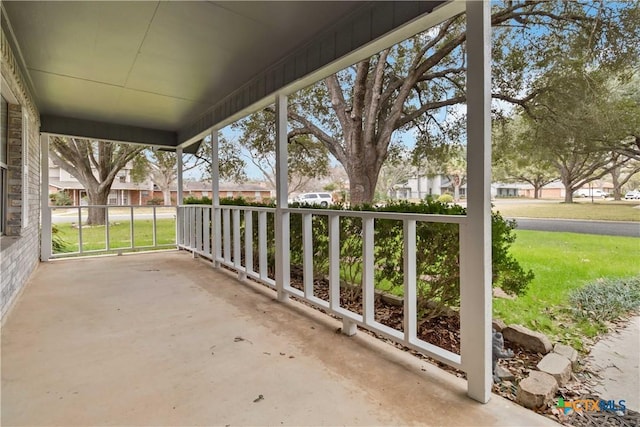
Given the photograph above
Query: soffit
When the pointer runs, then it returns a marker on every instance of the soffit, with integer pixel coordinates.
(112, 69)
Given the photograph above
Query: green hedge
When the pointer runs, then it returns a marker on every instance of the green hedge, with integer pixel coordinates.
(437, 254)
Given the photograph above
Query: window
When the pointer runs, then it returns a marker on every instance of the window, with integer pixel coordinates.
(4, 136)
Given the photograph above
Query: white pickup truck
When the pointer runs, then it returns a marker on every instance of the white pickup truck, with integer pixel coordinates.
(593, 192)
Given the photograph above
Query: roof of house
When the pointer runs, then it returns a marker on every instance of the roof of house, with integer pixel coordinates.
(187, 186)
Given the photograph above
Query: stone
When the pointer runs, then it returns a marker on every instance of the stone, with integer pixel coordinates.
(568, 352)
(537, 389)
(499, 293)
(392, 299)
(504, 374)
(556, 365)
(525, 337)
(498, 325)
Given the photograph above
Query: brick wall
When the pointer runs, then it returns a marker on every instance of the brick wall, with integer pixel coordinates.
(20, 247)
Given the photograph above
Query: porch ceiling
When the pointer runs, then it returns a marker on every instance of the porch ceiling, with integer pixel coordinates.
(147, 71)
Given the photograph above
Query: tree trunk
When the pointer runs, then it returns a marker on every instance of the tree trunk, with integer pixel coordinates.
(456, 187)
(166, 194)
(617, 186)
(363, 178)
(97, 197)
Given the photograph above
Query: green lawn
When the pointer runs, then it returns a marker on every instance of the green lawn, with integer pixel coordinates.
(563, 262)
(600, 210)
(93, 238)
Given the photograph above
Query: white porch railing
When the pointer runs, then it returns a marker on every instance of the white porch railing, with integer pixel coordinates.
(228, 236)
(125, 229)
(239, 230)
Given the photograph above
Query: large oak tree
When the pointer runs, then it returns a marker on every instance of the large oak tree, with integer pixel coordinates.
(355, 112)
(95, 164)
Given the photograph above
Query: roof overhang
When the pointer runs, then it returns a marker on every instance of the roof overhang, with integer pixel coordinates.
(166, 73)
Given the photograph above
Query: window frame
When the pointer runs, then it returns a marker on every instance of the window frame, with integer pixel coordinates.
(4, 166)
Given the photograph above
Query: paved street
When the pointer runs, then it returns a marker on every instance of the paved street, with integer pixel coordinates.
(609, 228)
(60, 216)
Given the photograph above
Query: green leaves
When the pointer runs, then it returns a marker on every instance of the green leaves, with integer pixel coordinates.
(605, 300)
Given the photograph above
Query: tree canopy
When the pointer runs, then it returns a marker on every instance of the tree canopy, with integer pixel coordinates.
(355, 112)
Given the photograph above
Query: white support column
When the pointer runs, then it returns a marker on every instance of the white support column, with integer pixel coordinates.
(45, 212)
(215, 198)
(180, 168)
(181, 216)
(282, 218)
(475, 235)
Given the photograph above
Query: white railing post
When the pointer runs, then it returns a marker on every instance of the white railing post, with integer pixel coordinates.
(237, 247)
(45, 212)
(262, 245)
(368, 280)
(248, 241)
(475, 235)
(215, 199)
(410, 280)
(307, 253)
(282, 217)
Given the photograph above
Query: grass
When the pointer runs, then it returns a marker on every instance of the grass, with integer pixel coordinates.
(93, 238)
(563, 262)
(600, 210)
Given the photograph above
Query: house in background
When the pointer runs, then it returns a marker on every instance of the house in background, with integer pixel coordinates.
(553, 190)
(123, 191)
(257, 191)
(126, 192)
(419, 187)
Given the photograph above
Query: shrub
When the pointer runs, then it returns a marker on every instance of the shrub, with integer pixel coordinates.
(156, 201)
(437, 258)
(58, 244)
(445, 198)
(605, 299)
(60, 198)
(191, 200)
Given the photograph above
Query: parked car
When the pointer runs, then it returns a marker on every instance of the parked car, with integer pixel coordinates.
(593, 192)
(632, 195)
(322, 199)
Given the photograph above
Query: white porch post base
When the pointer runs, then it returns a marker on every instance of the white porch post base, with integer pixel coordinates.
(349, 327)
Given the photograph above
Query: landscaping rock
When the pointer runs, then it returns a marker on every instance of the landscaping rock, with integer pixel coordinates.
(499, 293)
(535, 390)
(504, 374)
(556, 365)
(568, 352)
(392, 299)
(534, 341)
(498, 325)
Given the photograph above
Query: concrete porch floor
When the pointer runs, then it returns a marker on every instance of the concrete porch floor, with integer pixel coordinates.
(163, 339)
